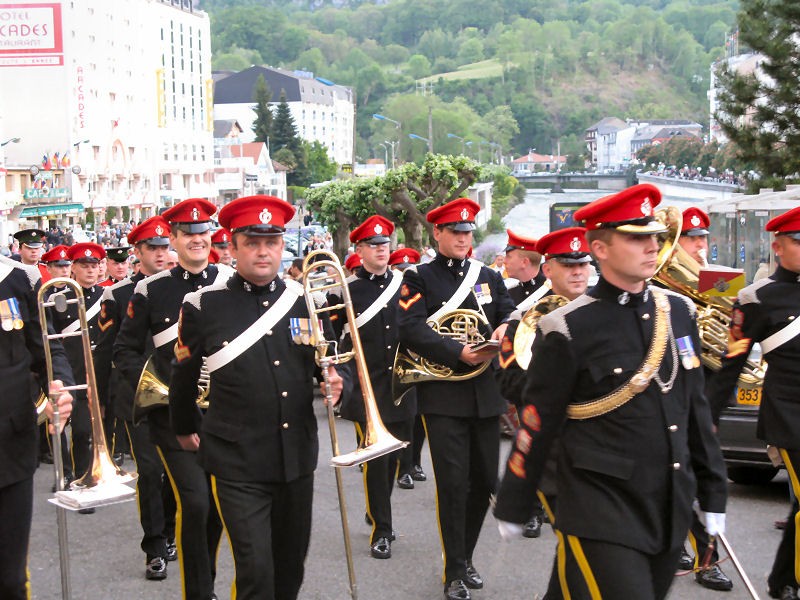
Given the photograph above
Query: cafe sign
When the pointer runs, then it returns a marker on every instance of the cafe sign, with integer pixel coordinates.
(46, 192)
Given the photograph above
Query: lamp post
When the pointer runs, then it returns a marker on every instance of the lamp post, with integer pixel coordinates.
(399, 128)
(392, 144)
(414, 136)
(458, 137)
(385, 154)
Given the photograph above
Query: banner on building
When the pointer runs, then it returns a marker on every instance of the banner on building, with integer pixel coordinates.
(31, 35)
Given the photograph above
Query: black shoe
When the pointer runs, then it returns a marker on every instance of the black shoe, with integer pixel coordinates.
(533, 528)
(86, 511)
(404, 482)
(686, 561)
(473, 579)
(119, 458)
(172, 550)
(156, 569)
(714, 579)
(381, 548)
(456, 590)
(787, 592)
(417, 474)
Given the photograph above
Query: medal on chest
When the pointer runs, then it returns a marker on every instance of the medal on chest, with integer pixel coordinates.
(483, 293)
(689, 358)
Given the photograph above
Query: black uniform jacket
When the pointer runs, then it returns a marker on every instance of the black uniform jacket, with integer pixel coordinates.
(154, 307)
(61, 320)
(629, 476)
(764, 308)
(114, 390)
(379, 342)
(260, 424)
(22, 351)
(519, 290)
(427, 288)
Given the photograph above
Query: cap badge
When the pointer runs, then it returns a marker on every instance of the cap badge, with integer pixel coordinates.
(63, 254)
(265, 216)
(87, 252)
(575, 244)
(647, 208)
(464, 214)
(378, 229)
(224, 237)
(34, 234)
(405, 258)
(159, 230)
(695, 221)
(195, 214)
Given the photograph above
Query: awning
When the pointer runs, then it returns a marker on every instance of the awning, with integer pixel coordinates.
(50, 210)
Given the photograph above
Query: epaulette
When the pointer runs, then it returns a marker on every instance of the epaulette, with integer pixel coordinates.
(31, 271)
(193, 298)
(295, 286)
(225, 271)
(511, 282)
(686, 300)
(557, 320)
(749, 295)
(411, 268)
(141, 287)
(351, 279)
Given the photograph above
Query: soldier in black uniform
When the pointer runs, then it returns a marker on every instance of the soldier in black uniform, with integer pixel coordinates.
(155, 498)
(22, 352)
(221, 241)
(767, 312)
(85, 257)
(523, 265)
(259, 439)
(461, 417)
(374, 290)
(117, 265)
(616, 373)
(153, 311)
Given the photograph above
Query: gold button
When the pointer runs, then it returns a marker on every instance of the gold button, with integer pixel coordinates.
(286, 426)
(676, 466)
(277, 363)
(673, 428)
(284, 394)
(617, 370)
(645, 316)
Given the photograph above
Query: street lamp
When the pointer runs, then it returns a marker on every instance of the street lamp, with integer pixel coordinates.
(14, 140)
(414, 136)
(76, 144)
(458, 137)
(385, 154)
(399, 128)
(392, 144)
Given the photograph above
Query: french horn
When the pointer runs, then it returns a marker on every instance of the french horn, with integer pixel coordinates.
(152, 392)
(526, 330)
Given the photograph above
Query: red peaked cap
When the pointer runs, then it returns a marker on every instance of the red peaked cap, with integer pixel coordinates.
(458, 214)
(154, 231)
(695, 222)
(629, 211)
(404, 256)
(352, 261)
(192, 215)
(57, 255)
(566, 245)
(221, 237)
(788, 224)
(256, 215)
(517, 242)
(375, 229)
(86, 252)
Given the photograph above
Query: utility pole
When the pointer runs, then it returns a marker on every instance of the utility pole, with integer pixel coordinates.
(430, 129)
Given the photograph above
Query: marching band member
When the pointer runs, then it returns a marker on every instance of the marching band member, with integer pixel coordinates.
(767, 312)
(116, 265)
(23, 352)
(259, 438)
(57, 262)
(156, 501)
(85, 257)
(694, 234)
(374, 290)
(221, 241)
(461, 417)
(153, 311)
(523, 265)
(616, 374)
(31, 246)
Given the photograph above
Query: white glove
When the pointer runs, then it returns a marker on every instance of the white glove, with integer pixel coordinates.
(509, 531)
(715, 523)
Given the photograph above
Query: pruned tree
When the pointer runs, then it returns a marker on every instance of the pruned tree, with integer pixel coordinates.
(262, 126)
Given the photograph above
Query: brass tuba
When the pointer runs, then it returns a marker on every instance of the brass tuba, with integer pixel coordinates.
(526, 330)
(462, 325)
(680, 272)
(152, 392)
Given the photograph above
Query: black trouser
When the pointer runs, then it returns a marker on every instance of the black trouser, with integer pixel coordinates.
(153, 492)
(81, 424)
(16, 510)
(198, 526)
(565, 572)
(783, 568)
(269, 527)
(465, 452)
(379, 475)
(615, 571)
(412, 454)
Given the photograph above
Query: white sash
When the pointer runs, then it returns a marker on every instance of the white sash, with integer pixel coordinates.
(256, 331)
(534, 297)
(462, 292)
(374, 308)
(5, 270)
(781, 337)
(90, 314)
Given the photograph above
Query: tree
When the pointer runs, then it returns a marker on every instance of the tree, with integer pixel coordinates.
(404, 195)
(760, 110)
(262, 126)
(284, 137)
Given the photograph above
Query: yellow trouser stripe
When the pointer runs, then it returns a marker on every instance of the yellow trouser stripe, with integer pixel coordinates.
(28, 583)
(438, 520)
(133, 454)
(583, 565)
(561, 550)
(693, 543)
(178, 519)
(796, 489)
(225, 527)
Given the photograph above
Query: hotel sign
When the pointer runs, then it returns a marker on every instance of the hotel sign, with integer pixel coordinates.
(31, 35)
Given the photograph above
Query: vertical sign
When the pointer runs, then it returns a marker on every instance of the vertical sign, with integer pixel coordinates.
(31, 35)
(210, 104)
(160, 100)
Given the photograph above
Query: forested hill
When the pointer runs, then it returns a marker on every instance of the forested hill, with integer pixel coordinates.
(559, 65)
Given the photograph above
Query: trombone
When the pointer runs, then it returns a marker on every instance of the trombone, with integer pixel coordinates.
(377, 439)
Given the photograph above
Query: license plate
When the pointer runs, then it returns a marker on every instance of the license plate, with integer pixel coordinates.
(749, 397)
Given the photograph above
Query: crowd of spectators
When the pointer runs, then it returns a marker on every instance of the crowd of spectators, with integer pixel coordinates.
(699, 174)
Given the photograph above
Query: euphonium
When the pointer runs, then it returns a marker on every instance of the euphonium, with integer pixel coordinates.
(152, 392)
(462, 325)
(680, 272)
(526, 330)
